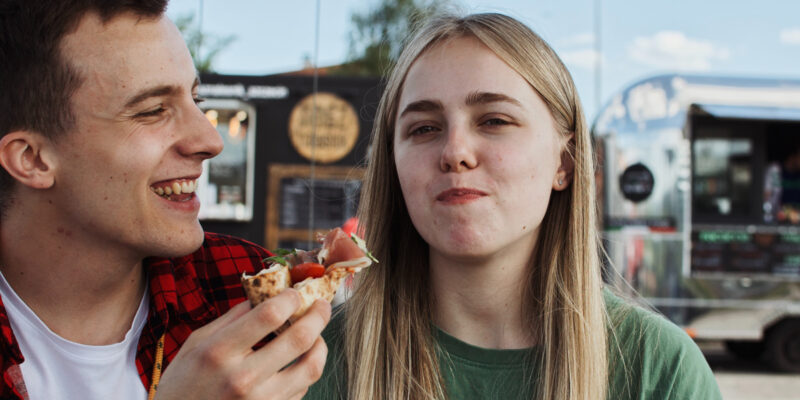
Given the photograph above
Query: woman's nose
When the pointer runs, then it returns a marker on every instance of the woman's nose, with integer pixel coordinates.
(458, 154)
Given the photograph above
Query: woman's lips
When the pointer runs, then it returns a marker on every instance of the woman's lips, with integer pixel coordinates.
(459, 195)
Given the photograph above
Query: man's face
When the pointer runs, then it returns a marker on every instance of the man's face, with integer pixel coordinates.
(138, 131)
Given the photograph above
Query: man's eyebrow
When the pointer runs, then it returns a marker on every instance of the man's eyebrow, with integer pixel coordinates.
(476, 98)
(422, 106)
(162, 90)
(145, 94)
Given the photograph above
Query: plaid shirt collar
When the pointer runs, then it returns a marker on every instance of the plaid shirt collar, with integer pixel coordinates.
(175, 295)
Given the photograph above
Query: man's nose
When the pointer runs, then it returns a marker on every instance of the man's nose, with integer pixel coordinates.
(200, 138)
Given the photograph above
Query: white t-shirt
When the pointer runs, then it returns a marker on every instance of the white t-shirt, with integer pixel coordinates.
(56, 368)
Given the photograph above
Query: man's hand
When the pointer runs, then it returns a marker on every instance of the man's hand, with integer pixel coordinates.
(218, 362)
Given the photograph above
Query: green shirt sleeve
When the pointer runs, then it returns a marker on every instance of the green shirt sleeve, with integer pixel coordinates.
(651, 358)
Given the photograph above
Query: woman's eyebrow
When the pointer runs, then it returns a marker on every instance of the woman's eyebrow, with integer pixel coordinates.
(476, 98)
(422, 106)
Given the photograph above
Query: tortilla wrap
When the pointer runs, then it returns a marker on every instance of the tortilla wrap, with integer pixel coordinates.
(267, 283)
(341, 254)
(316, 288)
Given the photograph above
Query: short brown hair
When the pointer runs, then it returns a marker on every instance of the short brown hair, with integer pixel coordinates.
(37, 81)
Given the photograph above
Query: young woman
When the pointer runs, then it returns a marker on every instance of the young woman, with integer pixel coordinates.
(479, 203)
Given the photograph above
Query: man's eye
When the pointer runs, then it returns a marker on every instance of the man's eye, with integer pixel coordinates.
(151, 113)
(198, 100)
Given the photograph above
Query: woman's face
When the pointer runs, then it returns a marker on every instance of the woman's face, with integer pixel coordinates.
(477, 153)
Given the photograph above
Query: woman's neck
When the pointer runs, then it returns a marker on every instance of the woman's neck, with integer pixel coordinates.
(479, 302)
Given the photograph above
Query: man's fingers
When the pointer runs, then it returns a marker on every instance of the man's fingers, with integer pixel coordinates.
(222, 321)
(293, 342)
(294, 380)
(263, 319)
(220, 355)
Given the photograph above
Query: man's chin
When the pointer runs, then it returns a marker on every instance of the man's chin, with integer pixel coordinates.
(178, 246)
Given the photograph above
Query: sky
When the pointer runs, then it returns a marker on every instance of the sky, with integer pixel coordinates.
(637, 38)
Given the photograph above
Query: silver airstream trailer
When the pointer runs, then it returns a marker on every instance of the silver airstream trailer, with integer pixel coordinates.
(700, 182)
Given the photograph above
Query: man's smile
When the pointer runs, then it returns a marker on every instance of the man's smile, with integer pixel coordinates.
(176, 189)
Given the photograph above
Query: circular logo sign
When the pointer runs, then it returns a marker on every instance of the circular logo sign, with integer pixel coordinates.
(636, 182)
(326, 135)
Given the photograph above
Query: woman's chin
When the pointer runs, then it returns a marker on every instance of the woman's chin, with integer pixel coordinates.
(464, 251)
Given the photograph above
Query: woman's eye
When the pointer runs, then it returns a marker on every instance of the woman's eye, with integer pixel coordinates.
(495, 121)
(198, 100)
(421, 130)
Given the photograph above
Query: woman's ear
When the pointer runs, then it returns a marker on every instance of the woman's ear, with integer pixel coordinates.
(25, 155)
(567, 165)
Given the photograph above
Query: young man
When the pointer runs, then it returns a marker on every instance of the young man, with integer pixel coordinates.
(97, 113)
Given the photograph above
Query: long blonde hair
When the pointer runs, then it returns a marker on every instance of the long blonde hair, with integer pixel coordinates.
(389, 349)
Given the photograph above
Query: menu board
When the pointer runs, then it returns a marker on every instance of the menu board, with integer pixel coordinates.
(328, 202)
(739, 251)
(300, 206)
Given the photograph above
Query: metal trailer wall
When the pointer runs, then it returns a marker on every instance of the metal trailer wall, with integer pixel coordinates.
(644, 138)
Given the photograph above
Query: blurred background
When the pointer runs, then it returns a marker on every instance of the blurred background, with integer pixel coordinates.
(627, 40)
(694, 108)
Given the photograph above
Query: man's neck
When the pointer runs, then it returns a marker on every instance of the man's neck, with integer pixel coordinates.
(84, 292)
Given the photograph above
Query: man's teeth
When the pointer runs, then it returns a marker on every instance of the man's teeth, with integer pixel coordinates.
(176, 187)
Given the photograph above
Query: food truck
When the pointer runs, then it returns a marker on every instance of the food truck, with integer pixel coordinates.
(292, 163)
(700, 198)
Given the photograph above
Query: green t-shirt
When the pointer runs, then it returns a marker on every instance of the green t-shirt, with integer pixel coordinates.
(649, 358)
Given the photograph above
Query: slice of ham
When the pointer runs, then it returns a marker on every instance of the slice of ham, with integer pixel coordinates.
(338, 246)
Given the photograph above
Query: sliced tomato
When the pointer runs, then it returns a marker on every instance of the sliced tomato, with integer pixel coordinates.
(300, 272)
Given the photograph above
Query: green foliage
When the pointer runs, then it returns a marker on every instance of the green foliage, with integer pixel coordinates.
(378, 34)
(204, 47)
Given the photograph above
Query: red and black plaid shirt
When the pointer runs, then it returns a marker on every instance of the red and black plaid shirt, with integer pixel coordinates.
(185, 294)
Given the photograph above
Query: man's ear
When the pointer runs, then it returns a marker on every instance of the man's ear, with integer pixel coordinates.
(567, 165)
(25, 155)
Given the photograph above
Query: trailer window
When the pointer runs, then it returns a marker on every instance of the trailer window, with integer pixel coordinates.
(723, 176)
(226, 187)
(782, 175)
